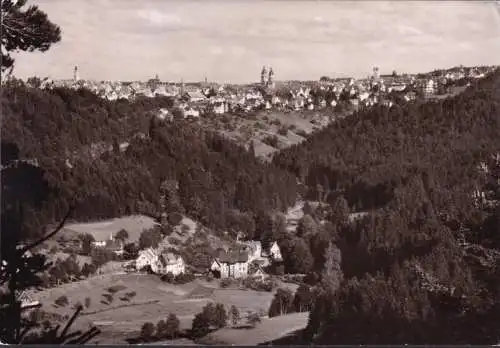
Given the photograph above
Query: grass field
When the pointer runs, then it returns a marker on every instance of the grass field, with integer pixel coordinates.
(101, 230)
(268, 330)
(154, 300)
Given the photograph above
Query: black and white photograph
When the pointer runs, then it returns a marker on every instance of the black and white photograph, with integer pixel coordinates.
(250, 172)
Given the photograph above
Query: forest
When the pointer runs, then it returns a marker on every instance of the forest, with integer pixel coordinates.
(420, 264)
(75, 138)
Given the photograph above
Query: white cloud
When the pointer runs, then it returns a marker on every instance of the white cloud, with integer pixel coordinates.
(158, 18)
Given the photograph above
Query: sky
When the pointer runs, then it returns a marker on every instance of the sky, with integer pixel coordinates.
(229, 41)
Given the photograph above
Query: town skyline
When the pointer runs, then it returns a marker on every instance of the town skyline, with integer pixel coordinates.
(179, 40)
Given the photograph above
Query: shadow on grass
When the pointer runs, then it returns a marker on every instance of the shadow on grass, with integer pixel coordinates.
(294, 338)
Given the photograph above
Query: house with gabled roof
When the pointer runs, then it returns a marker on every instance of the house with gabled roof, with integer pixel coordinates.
(231, 264)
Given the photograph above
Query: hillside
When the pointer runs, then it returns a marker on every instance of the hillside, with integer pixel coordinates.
(422, 180)
(72, 137)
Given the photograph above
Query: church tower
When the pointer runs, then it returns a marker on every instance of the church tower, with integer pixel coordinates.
(263, 74)
(75, 74)
(270, 81)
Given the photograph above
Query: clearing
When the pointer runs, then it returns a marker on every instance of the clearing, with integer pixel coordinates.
(102, 230)
(268, 330)
(120, 317)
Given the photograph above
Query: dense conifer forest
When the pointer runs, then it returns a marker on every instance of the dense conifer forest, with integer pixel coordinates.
(75, 138)
(420, 264)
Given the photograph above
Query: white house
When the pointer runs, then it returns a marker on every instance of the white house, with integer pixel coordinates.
(160, 263)
(232, 264)
(147, 257)
(170, 263)
(275, 252)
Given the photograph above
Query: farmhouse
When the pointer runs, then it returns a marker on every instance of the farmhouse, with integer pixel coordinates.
(231, 264)
(160, 263)
(170, 263)
(111, 244)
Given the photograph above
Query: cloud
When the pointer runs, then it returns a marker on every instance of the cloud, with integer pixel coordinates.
(159, 19)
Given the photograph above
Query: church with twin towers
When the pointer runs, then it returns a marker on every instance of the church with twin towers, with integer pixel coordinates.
(266, 77)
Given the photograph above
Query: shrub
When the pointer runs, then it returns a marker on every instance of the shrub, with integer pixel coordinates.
(115, 288)
(253, 319)
(184, 278)
(283, 130)
(168, 278)
(271, 140)
(61, 301)
(147, 331)
(226, 282)
(174, 219)
(108, 297)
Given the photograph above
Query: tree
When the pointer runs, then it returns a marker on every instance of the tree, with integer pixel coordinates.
(303, 300)
(332, 275)
(100, 257)
(307, 226)
(282, 303)
(234, 314)
(86, 242)
(122, 235)
(150, 239)
(147, 331)
(220, 316)
(297, 256)
(340, 212)
(200, 326)
(62, 301)
(253, 319)
(161, 329)
(87, 302)
(25, 29)
(172, 326)
(130, 251)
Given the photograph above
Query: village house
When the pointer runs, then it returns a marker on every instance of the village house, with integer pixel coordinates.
(160, 263)
(111, 244)
(231, 264)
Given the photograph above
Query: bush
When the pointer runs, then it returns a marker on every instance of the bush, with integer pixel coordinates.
(61, 301)
(271, 140)
(147, 331)
(184, 278)
(168, 278)
(115, 288)
(283, 130)
(226, 282)
(174, 218)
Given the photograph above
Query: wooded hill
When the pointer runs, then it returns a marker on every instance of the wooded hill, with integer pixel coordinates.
(75, 137)
(422, 266)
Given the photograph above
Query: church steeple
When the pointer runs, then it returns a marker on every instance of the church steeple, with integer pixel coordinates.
(263, 74)
(270, 82)
(75, 74)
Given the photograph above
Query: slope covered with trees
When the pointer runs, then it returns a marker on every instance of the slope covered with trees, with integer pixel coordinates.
(75, 138)
(420, 265)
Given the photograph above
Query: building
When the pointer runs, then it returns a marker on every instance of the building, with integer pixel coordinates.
(275, 252)
(75, 74)
(429, 87)
(160, 263)
(111, 244)
(147, 257)
(231, 264)
(170, 263)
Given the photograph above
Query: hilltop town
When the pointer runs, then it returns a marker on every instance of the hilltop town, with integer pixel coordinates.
(271, 115)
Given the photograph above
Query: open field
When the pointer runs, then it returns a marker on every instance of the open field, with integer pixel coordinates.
(102, 230)
(268, 330)
(153, 301)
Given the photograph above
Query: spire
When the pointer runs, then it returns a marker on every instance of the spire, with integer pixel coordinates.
(263, 75)
(75, 73)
